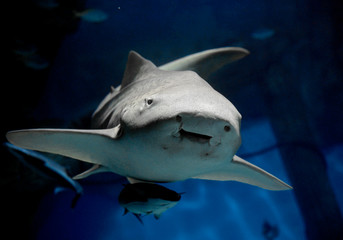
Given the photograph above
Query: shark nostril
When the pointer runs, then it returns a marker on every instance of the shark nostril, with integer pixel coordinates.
(227, 128)
(178, 118)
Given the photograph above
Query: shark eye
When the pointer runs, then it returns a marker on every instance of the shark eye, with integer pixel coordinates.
(227, 128)
(149, 101)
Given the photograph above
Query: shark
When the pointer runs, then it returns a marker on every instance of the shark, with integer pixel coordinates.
(47, 168)
(162, 124)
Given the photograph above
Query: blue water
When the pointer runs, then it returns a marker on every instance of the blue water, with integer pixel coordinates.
(93, 58)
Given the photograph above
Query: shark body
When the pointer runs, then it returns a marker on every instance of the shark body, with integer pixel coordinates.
(162, 124)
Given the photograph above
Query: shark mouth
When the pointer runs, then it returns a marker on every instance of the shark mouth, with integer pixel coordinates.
(194, 136)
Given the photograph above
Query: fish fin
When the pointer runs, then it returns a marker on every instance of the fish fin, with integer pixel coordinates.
(206, 62)
(139, 217)
(48, 168)
(84, 145)
(137, 67)
(243, 171)
(125, 211)
(157, 216)
(59, 189)
(75, 200)
(96, 168)
(115, 90)
(134, 180)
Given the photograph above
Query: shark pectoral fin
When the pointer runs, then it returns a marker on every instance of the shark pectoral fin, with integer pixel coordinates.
(132, 180)
(243, 171)
(206, 62)
(84, 145)
(96, 168)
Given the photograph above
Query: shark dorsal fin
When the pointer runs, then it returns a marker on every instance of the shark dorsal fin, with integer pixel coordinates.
(137, 68)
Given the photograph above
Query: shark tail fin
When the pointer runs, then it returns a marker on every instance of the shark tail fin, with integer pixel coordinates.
(206, 62)
(243, 171)
(83, 145)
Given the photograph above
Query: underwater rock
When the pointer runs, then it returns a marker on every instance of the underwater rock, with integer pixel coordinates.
(305, 164)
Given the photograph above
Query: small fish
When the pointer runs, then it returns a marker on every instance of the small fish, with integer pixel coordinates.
(46, 4)
(147, 198)
(92, 15)
(23, 49)
(263, 33)
(27, 54)
(47, 168)
(35, 62)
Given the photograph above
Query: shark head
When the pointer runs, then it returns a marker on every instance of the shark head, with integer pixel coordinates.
(180, 103)
(178, 110)
(162, 124)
